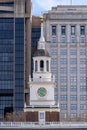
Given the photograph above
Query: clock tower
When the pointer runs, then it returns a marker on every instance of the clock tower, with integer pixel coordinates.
(42, 84)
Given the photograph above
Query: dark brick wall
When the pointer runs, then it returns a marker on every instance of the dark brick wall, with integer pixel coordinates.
(52, 116)
(32, 116)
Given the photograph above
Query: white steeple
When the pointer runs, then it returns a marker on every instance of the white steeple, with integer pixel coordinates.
(41, 43)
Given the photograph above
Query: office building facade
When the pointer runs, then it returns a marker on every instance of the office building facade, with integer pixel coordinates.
(35, 35)
(65, 30)
(14, 57)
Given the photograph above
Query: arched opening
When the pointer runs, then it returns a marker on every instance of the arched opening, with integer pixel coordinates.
(35, 66)
(41, 65)
(47, 65)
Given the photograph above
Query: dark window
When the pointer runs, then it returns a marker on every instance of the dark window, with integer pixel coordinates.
(63, 30)
(53, 30)
(82, 30)
(41, 65)
(72, 30)
(47, 65)
(35, 65)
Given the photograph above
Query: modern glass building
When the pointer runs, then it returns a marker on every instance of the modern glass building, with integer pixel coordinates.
(14, 67)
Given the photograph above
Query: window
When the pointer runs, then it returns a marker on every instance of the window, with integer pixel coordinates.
(73, 88)
(82, 61)
(82, 79)
(73, 79)
(63, 39)
(63, 79)
(63, 70)
(83, 88)
(73, 115)
(83, 107)
(41, 65)
(54, 52)
(83, 98)
(73, 61)
(63, 107)
(73, 107)
(73, 52)
(73, 39)
(82, 30)
(63, 61)
(73, 97)
(53, 30)
(63, 30)
(82, 39)
(47, 65)
(54, 61)
(53, 40)
(63, 88)
(72, 30)
(82, 51)
(35, 65)
(63, 52)
(63, 98)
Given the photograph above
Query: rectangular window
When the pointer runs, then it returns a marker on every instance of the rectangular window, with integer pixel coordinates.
(83, 107)
(72, 30)
(63, 39)
(63, 106)
(82, 61)
(63, 30)
(73, 79)
(53, 30)
(63, 52)
(82, 39)
(63, 97)
(83, 88)
(73, 61)
(83, 98)
(73, 107)
(53, 40)
(63, 61)
(73, 88)
(82, 30)
(83, 52)
(73, 52)
(73, 39)
(73, 97)
(63, 88)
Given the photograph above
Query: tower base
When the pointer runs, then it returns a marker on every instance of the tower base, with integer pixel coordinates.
(42, 115)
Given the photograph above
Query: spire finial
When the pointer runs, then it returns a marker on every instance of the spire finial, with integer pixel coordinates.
(41, 43)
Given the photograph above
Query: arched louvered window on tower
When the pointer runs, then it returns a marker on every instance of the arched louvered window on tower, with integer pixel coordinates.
(41, 65)
(47, 64)
(35, 66)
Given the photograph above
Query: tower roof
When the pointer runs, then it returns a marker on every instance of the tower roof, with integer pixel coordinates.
(41, 52)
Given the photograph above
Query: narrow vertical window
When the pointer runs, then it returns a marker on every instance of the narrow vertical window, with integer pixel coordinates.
(82, 30)
(72, 30)
(47, 65)
(35, 65)
(41, 65)
(63, 30)
(53, 30)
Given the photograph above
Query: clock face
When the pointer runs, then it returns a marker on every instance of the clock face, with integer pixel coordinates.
(42, 92)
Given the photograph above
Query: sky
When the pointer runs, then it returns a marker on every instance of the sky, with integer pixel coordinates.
(41, 6)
